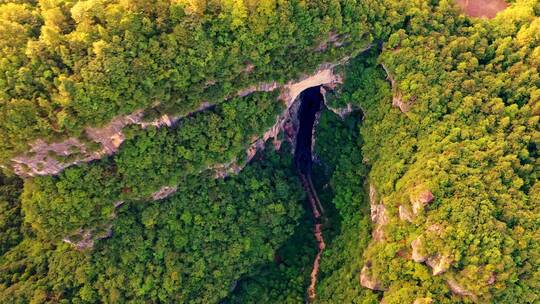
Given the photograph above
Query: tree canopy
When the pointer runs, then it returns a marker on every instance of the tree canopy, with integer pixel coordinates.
(428, 173)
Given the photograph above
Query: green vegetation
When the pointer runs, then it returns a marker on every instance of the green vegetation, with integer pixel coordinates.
(468, 134)
(339, 184)
(286, 278)
(83, 197)
(10, 213)
(70, 64)
(348, 230)
(189, 248)
(471, 138)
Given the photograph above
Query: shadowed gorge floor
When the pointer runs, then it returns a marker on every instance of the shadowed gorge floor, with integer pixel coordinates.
(311, 102)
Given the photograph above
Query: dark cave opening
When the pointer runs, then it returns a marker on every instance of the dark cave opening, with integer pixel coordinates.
(311, 101)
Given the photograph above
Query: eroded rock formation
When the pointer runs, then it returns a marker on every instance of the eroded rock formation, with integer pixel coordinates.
(420, 199)
(438, 262)
(418, 251)
(164, 192)
(367, 280)
(379, 214)
(405, 214)
(85, 239)
(397, 98)
(51, 158)
(458, 289)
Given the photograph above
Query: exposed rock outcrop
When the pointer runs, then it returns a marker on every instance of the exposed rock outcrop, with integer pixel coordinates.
(417, 251)
(224, 170)
(367, 280)
(164, 192)
(85, 239)
(458, 289)
(379, 214)
(44, 158)
(342, 112)
(420, 199)
(405, 214)
(323, 76)
(263, 87)
(439, 263)
(52, 158)
(164, 120)
(333, 39)
(397, 98)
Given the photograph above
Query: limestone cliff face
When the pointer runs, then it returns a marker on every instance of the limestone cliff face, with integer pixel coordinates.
(52, 158)
(287, 122)
(111, 137)
(379, 214)
(397, 98)
(413, 210)
(379, 218)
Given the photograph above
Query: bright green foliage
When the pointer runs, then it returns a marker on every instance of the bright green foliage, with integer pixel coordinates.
(348, 231)
(469, 134)
(471, 137)
(189, 248)
(65, 65)
(364, 83)
(83, 197)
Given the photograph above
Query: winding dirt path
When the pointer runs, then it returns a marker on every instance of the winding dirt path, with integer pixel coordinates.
(317, 211)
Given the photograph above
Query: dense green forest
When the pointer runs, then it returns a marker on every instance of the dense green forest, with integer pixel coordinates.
(70, 64)
(430, 185)
(190, 247)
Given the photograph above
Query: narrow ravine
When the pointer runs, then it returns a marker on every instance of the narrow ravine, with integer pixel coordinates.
(311, 102)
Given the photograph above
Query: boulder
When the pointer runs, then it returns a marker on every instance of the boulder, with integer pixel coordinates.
(379, 214)
(417, 256)
(405, 214)
(420, 199)
(367, 280)
(458, 289)
(164, 192)
(439, 263)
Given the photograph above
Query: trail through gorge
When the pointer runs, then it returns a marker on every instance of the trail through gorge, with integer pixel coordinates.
(311, 102)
